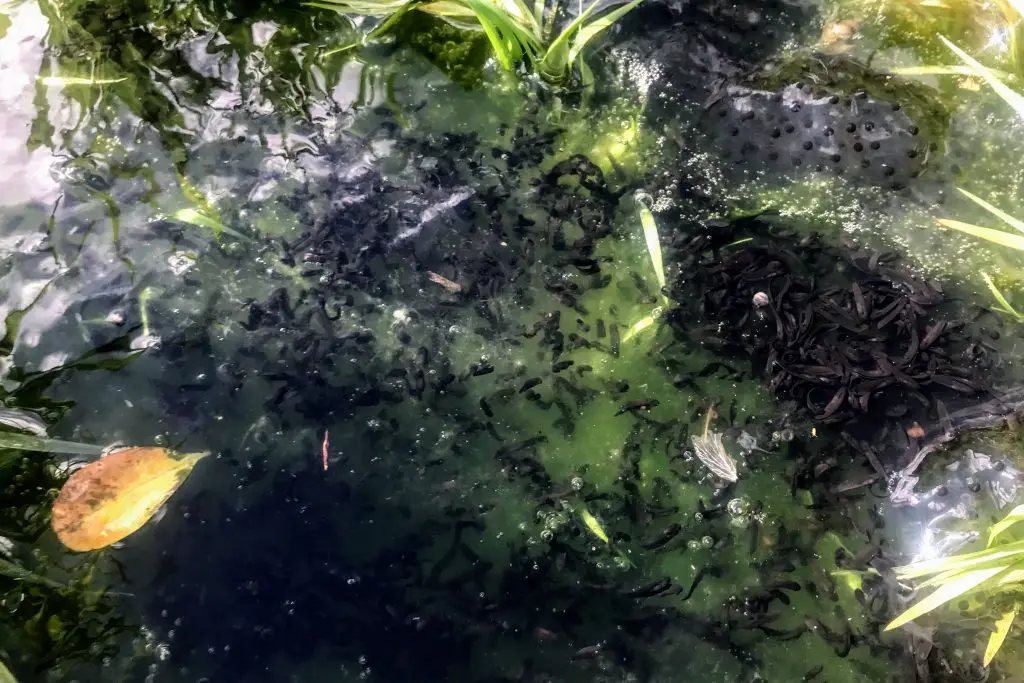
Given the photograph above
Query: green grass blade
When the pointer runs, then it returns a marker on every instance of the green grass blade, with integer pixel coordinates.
(1010, 96)
(556, 58)
(1015, 515)
(78, 80)
(1000, 237)
(1004, 306)
(995, 211)
(943, 594)
(995, 641)
(952, 70)
(197, 218)
(588, 32)
(24, 442)
(651, 236)
(965, 561)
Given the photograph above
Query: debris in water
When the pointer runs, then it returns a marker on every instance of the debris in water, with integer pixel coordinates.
(710, 450)
(323, 447)
(453, 287)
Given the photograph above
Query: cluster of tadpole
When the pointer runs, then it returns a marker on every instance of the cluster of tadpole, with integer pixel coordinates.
(839, 334)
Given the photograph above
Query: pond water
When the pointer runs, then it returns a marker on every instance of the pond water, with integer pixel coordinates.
(459, 425)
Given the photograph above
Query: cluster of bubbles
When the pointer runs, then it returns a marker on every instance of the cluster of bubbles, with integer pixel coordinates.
(783, 435)
(704, 543)
(551, 522)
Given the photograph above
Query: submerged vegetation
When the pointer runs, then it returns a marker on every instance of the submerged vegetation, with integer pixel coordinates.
(994, 575)
(519, 36)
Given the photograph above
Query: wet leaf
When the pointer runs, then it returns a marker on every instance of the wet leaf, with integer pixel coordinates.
(22, 420)
(995, 641)
(951, 590)
(109, 499)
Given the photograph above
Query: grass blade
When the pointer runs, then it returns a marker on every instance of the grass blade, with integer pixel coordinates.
(1006, 308)
(995, 641)
(642, 200)
(1010, 96)
(965, 561)
(954, 70)
(995, 211)
(588, 32)
(24, 442)
(594, 525)
(200, 219)
(1016, 515)
(77, 80)
(1000, 237)
(943, 594)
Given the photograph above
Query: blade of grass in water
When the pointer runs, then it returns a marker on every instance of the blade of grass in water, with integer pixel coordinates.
(939, 71)
(1008, 309)
(1012, 98)
(77, 80)
(25, 442)
(588, 32)
(643, 200)
(995, 211)
(197, 218)
(1000, 237)
(943, 594)
(995, 641)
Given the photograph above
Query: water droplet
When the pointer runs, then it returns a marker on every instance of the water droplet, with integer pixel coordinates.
(707, 542)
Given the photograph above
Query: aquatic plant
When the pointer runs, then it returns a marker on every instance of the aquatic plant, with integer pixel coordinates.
(518, 35)
(995, 571)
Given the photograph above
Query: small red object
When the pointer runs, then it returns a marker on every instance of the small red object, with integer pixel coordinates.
(323, 449)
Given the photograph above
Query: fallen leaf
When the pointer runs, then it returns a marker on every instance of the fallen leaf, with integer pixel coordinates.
(111, 498)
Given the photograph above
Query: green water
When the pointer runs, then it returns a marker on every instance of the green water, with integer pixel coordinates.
(419, 553)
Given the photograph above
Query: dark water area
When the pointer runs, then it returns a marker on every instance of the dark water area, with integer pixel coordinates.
(455, 418)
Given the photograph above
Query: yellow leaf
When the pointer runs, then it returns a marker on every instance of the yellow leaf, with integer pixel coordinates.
(995, 641)
(943, 594)
(113, 497)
